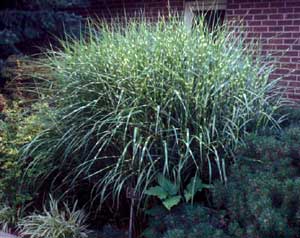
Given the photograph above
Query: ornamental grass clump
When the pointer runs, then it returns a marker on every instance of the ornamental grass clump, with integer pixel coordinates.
(55, 222)
(145, 98)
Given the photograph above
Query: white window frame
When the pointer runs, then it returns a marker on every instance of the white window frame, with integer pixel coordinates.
(201, 5)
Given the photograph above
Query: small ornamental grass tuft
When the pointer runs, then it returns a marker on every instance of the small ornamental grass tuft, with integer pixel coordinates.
(7, 218)
(133, 101)
(55, 223)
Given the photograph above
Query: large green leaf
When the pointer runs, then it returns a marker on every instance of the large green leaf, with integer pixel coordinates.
(157, 191)
(171, 188)
(171, 202)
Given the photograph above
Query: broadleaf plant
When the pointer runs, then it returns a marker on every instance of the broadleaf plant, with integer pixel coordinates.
(169, 192)
(158, 192)
(166, 191)
(171, 202)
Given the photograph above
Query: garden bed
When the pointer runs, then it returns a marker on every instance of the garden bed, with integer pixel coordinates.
(150, 130)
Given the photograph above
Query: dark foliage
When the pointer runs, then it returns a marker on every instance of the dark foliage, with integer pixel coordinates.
(108, 231)
(20, 27)
(42, 4)
(262, 197)
(26, 26)
(186, 221)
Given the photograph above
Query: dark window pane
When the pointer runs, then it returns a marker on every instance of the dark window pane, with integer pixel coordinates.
(212, 18)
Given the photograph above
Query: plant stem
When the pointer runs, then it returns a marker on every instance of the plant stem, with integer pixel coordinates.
(131, 220)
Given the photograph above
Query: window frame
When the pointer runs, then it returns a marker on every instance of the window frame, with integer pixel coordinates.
(201, 5)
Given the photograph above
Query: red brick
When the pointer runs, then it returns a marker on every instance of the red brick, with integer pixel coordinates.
(260, 17)
(276, 76)
(296, 35)
(283, 47)
(291, 28)
(286, 10)
(276, 28)
(247, 17)
(286, 35)
(278, 4)
(255, 11)
(269, 23)
(296, 47)
(289, 66)
(293, 16)
(247, 5)
(281, 71)
(296, 60)
(276, 16)
(285, 22)
(241, 12)
(293, 4)
(285, 59)
(289, 90)
(289, 78)
(254, 23)
(296, 72)
(292, 53)
(270, 11)
(265, 4)
(294, 84)
(233, 6)
(294, 96)
(269, 34)
(290, 41)
(275, 41)
(260, 29)
(269, 47)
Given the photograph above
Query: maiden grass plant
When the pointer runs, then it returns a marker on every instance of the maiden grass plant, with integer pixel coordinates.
(147, 98)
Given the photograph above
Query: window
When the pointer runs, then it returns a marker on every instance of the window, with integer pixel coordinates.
(212, 10)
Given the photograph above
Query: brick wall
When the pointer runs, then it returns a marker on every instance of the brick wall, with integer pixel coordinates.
(277, 24)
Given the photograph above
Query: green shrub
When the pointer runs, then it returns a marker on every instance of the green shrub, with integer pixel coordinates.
(8, 37)
(262, 196)
(108, 231)
(55, 223)
(38, 24)
(147, 98)
(186, 221)
(34, 28)
(18, 126)
(2, 79)
(53, 4)
(7, 218)
(290, 115)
